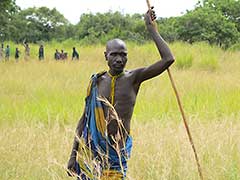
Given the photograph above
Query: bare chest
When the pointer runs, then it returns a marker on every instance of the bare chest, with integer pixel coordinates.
(122, 92)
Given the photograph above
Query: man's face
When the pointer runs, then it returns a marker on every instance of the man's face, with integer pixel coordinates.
(116, 55)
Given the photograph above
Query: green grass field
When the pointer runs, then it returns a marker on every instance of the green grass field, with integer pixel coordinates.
(41, 102)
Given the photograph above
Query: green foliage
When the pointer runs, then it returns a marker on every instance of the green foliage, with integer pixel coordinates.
(36, 24)
(102, 27)
(228, 8)
(235, 47)
(206, 24)
(168, 28)
(214, 21)
(8, 9)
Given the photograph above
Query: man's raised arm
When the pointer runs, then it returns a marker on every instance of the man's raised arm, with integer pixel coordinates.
(167, 58)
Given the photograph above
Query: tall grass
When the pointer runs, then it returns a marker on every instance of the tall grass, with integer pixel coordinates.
(160, 150)
(41, 102)
(199, 55)
(183, 55)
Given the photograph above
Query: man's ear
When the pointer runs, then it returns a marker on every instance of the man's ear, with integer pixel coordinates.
(105, 54)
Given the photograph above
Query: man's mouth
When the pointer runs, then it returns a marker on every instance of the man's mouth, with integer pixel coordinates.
(118, 66)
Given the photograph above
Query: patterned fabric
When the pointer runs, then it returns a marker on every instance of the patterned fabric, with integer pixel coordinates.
(98, 157)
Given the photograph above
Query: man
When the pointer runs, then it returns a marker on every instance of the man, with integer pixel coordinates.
(17, 54)
(1, 51)
(27, 50)
(41, 53)
(57, 55)
(75, 54)
(104, 128)
(7, 53)
(63, 55)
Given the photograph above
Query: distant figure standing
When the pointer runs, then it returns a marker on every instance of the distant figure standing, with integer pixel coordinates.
(57, 55)
(27, 50)
(63, 55)
(75, 54)
(17, 54)
(41, 53)
(7, 53)
(1, 51)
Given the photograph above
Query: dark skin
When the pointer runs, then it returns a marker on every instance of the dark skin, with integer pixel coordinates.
(127, 85)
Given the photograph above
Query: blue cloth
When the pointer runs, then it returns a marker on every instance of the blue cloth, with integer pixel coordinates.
(99, 141)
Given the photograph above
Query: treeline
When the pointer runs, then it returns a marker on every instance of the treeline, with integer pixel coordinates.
(214, 21)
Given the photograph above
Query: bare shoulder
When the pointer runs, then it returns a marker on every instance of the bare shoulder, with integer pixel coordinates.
(130, 75)
(134, 74)
(101, 76)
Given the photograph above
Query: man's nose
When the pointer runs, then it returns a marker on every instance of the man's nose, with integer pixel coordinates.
(118, 59)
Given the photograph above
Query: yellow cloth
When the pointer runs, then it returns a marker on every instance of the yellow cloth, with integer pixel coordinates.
(111, 175)
(100, 120)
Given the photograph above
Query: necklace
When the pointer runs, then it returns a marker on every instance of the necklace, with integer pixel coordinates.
(113, 82)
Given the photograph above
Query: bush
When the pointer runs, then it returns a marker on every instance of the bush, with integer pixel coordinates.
(235, 47)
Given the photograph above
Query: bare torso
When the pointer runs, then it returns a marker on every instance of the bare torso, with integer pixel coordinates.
(124, 100)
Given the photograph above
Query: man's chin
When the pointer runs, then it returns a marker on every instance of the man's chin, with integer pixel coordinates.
(116, 71)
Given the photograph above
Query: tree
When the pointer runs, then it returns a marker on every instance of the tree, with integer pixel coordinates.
(36, 24)
(102, 27)
(229, 8)
(168, 28)
(207, 24)
(7, 10)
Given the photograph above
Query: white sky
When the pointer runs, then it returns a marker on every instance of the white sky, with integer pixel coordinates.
(72, 9)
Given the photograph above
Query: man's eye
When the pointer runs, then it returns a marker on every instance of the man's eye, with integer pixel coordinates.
(123, 54)
(120, 54)
(113, 54)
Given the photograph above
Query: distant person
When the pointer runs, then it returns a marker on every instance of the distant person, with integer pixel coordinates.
(57, 55)
(41, 53)
(63, 55)
(17, 54)
(75, 55)
(7, 53)
(27, 50)
(1, 51)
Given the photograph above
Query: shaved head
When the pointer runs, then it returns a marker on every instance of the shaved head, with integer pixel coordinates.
(115, 44)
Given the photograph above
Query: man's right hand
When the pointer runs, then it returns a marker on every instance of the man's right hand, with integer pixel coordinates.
(71, 167)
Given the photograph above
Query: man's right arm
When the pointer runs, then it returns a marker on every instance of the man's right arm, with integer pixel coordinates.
(77, 136)
(72, 160)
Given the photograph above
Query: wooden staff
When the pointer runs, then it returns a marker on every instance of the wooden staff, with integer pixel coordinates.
(181, 108)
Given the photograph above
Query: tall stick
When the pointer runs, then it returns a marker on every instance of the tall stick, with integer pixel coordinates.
(181, 109)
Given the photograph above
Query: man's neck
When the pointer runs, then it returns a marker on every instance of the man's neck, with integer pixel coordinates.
(112, 74)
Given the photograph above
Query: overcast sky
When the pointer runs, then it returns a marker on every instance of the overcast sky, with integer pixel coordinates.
(72, 9)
